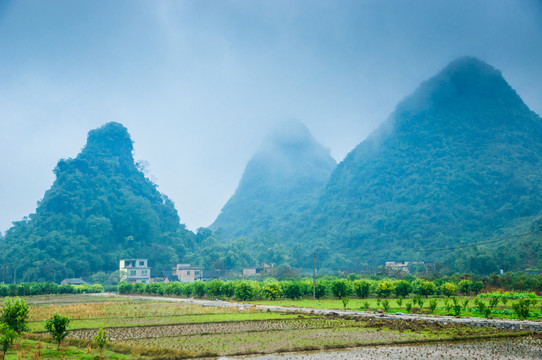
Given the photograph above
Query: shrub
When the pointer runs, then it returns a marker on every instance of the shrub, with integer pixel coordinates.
(15, 314)
(7, 337)
(155, 288)
(340, 288)
(480, 305)
(465, 286)
(321, 289)
(362, 288)
(124, 288)
(493, 302)
(272, 290)
(199, 288)
(476, 287)
(400, 301)
(448, 289)
(292, 290)
(384, 288)
(57, 326)
(101, 339)
(345, 302)
(423, 287)
(521, 308)
(433, 305)
(409, 306)
(139, 288)
(245, 291)
(402, 288)
(456, 310)
(173, 288)
(213, 288)
(228, 289)
(386, 304)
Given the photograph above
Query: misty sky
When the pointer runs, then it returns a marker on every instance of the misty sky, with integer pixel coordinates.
(198, 83)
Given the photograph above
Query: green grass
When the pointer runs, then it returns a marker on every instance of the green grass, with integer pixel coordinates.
(28, 349)
(96, 323)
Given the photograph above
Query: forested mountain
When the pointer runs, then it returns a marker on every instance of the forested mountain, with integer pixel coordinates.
(458, 162)
(280, 184)
(101, 208)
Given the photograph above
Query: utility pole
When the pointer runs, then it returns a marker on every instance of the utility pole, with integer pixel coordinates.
(314, 277)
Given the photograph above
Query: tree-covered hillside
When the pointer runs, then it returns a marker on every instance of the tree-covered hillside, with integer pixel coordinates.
(101, 208)
(281, 183)
(456, 163)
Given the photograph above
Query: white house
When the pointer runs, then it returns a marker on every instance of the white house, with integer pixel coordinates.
(135, 271)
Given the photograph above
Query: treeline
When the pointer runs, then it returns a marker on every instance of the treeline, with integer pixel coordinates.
(339, 288)
(45, 288)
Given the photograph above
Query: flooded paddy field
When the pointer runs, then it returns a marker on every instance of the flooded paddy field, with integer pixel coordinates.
(505, 349)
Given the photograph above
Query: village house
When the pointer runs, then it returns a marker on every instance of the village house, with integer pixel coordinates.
(252, 271)
(188, 273)
(401, 265)
(135, 271)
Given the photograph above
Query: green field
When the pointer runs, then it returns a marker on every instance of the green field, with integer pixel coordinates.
(158, 329)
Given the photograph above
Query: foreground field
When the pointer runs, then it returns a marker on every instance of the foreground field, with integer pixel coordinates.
(443, 306)
(503, 349)
(156, 329)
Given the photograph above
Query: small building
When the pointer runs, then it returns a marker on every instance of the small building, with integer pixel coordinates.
(252, 271)
(401, 265)
(73, 281)
(188, 273)
(135, 271)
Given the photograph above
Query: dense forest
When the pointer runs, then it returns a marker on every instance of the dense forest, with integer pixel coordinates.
(453, 176)
(101, 208)
(455, 165)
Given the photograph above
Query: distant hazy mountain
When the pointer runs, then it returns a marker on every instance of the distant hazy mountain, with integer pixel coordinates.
(101, 208)
(458, 161)
(281, 182)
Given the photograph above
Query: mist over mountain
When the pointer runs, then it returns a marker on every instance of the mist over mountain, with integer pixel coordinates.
(281, 183)
(457, 162)
(101, 208)
(455, 165)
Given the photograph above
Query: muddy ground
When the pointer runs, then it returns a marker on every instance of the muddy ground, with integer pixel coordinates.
(529, 348)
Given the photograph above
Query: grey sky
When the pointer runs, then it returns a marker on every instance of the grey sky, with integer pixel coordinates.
(198, 83)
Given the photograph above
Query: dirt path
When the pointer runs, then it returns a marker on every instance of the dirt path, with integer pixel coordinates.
(498, 323)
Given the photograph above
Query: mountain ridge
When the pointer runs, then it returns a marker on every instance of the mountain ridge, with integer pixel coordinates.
(477, 140)
(282, 179)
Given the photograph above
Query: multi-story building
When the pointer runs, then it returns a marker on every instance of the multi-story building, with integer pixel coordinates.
(135, 271)
(187, 273)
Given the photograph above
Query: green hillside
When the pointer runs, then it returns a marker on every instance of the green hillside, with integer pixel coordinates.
(101, 208)
(458, 162)
(281, 183)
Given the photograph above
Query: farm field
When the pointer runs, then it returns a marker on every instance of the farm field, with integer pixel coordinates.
(143, 329)
(443, 306)
(503, 349)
